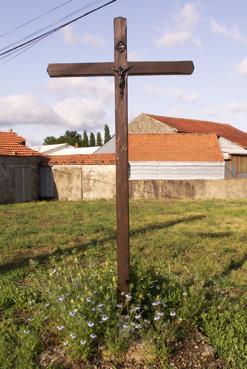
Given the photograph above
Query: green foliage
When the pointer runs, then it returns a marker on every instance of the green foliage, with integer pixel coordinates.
(99, 139)
(92, 139)
(85, 142)
(107, 135)
(226, 326)
(72, 138)
(175, 248)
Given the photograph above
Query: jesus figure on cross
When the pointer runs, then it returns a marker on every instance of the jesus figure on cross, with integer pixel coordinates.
(121, 69)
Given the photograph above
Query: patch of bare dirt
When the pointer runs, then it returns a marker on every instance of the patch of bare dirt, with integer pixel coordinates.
(195, 353)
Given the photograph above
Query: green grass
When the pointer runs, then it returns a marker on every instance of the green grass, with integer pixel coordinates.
(194, 247)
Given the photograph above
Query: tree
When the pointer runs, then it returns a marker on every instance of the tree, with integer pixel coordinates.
(50, 140)
(99, 139)
(107, 135)
(91, 139)
(85, 142)
(70, 137)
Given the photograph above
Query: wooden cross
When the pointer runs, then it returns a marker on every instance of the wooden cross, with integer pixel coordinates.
(121, 69)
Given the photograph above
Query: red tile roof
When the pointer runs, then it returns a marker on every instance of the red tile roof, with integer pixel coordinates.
(175, 147)
(200, 126)
(154, 147)
(14, 145)
(89, 159)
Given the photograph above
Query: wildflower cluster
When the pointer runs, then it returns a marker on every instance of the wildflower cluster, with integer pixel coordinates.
(82, 310)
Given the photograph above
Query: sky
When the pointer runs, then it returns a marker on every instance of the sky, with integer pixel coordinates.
(213, 34)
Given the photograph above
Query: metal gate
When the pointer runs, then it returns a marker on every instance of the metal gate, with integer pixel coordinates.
(23, 184)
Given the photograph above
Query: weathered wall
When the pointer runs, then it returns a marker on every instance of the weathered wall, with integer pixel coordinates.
(8, 165)
(88, 182)
(189, 189)
(98, 182)
(68, 182)
(91, 182)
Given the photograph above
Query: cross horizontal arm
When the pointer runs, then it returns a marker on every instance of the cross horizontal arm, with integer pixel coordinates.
(106, 69)
(160, 68)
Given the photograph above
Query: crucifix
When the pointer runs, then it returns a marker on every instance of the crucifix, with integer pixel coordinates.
(121, 69)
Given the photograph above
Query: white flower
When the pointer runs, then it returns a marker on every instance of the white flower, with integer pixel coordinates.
(47, 304)
(100, 306)
(88, 299)
(90, 324)
(104, 318)
(93, 335)
(54, 271)
(73, 336)
(119, 306)
(156, 317)
(60, 327)
(173, 313)
(138, 326)
(128, 297)
(156, 303)
(65, 343)
(72, 313)
(61, 298)
(138, 316)
(26, 331)
(160, 313)
(137, 308)
(93, 309)
(125, 326)
(83, 342)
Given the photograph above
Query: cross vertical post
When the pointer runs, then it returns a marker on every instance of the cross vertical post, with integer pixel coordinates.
(121, 130)
(120, 70)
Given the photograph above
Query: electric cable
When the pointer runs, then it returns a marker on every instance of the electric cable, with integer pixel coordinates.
(28, 44)
(35, 18)
(93, 3)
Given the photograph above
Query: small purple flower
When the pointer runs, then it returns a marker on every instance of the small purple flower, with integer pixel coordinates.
(90, 324)
(93, 336)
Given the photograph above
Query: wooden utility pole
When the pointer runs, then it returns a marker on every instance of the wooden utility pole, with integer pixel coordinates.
(121, 69)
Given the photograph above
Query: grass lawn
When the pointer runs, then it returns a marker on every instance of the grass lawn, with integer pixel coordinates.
(189, 261)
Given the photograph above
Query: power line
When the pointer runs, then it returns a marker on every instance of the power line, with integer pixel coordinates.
(26, 45)
(95, 2)
(35, 18)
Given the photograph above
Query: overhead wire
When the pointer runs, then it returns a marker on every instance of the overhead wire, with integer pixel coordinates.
(35, 18)
(30, 43)
(93, 3)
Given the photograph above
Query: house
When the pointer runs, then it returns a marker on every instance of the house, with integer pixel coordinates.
(64, 149)
(19, 169)
(151, 157)
(233, 142)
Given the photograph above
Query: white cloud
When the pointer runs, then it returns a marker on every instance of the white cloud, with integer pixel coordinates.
(178, 93)
(185, 96)
(71, 37)
(74, 112)
(242, 67)
(25, 109)
(79, 112)
(237, 107)
(232, 32)
(96, 88)
(182, 29)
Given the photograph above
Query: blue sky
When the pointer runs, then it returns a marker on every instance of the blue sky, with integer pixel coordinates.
(211, 33)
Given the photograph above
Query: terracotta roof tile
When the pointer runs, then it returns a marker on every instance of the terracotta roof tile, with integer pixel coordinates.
(13, 145)
(154, 147)
(174, 147)
(90, 159)
(200, 126)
